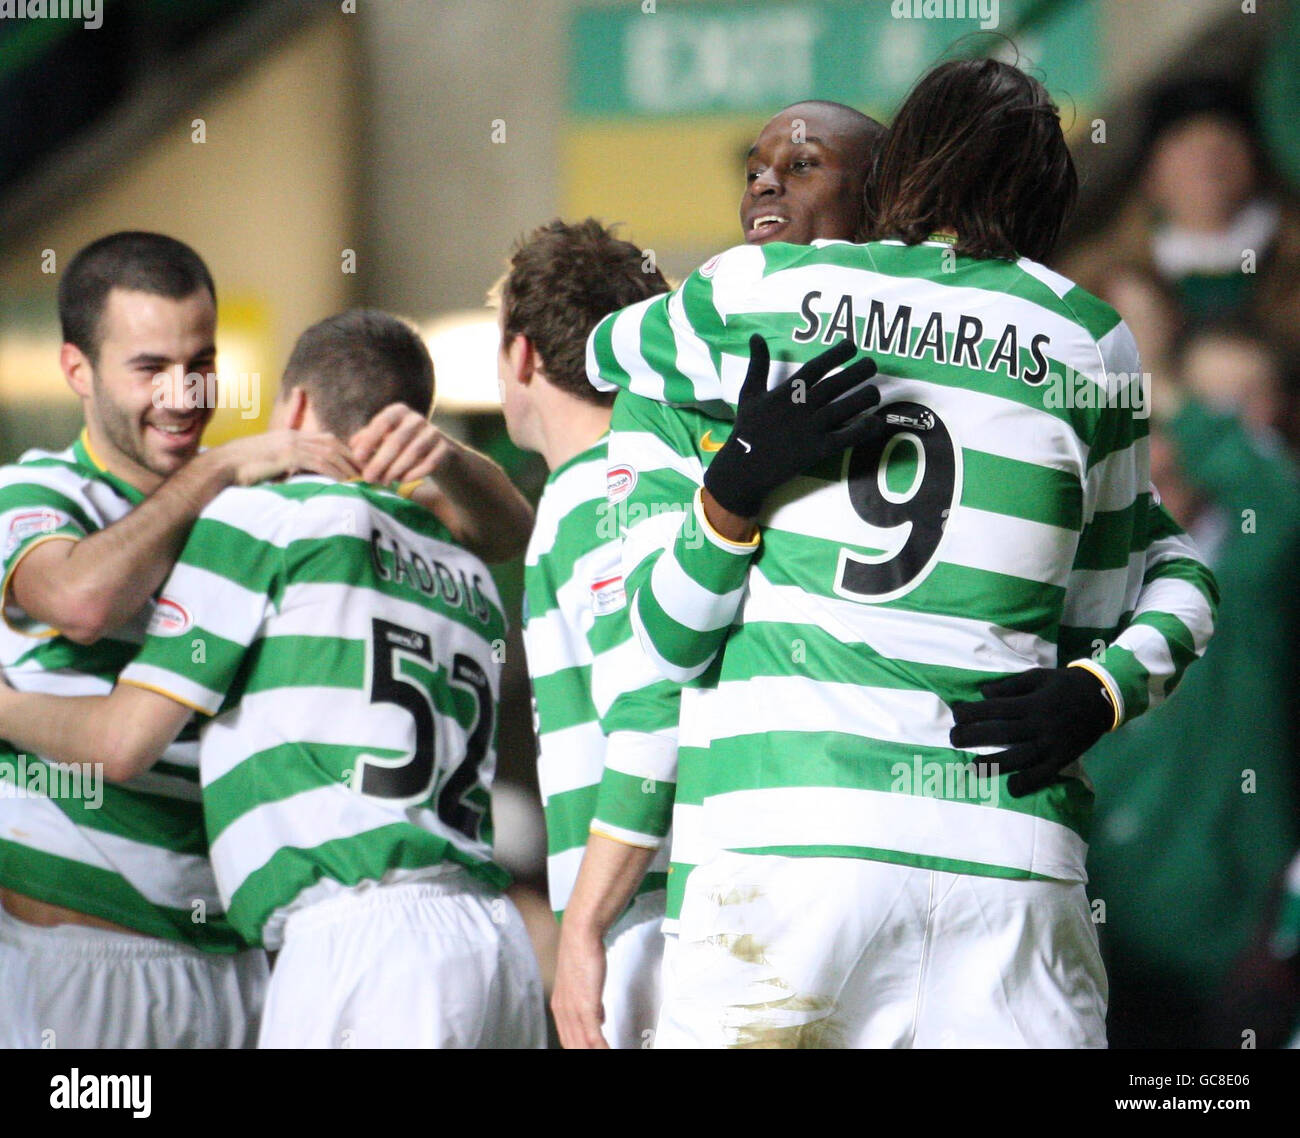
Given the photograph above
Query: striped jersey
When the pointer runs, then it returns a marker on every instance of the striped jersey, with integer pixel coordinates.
(133, 853)
(346, 652)
(588, 676)
(651, 488)
(1004, 521)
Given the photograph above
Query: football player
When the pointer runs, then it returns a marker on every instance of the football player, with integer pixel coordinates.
(343, 652)
(106, 891)
(994, 538)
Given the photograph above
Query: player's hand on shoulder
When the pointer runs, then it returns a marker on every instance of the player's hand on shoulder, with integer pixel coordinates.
(783, 431)
(400, 445)
(277, 453)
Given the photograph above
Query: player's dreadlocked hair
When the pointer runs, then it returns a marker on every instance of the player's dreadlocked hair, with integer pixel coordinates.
(139, 262)
(355, 364)
(977, 147)
(563, 279)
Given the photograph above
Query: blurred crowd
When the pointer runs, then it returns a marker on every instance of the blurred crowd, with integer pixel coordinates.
(1195, 877)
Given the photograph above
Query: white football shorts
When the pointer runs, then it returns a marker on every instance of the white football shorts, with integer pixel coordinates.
(96, 988)
(17, 1008)
(437, 963)
(633, 969)
(847, 952)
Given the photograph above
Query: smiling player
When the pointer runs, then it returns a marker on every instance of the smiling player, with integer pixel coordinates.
(876, 607)
(341, 648)
(806, 174)
(112, 903)
(804, 181)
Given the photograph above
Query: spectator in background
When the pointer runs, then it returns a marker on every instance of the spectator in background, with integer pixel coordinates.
(1209, 218)
(1233, 368)
(1234, 371)
(1196, 803)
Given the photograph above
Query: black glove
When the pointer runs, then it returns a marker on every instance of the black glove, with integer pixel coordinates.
(777, 435)
(1047, 717)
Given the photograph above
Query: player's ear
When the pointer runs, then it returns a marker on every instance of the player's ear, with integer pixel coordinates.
(522, 357)
(295, 410)
(77, 370)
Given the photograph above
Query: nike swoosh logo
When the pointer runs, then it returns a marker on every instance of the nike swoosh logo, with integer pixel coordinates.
(707, 443)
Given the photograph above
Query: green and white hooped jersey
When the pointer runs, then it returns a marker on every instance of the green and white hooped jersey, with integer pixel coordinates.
(651, 488)
(347, 652)
(1005, 522)
(586, 674)
(133, 853)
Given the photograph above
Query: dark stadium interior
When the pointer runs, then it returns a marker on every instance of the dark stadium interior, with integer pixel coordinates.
(323, 155)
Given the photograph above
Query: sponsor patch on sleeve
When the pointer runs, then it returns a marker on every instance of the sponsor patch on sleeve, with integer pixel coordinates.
(29, 524)
(619, 482)
(170, 618)
(607, 595)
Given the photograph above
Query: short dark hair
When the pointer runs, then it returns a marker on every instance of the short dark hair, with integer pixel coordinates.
(133, 260)
(355, 364)
(1171, 104)
(870, 135)
(562, 281)
(977, 147)
(869, 132)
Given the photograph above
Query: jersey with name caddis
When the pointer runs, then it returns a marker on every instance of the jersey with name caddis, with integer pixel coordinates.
(133, 853)
(588, 678)
(347, 653)
(1003, 521)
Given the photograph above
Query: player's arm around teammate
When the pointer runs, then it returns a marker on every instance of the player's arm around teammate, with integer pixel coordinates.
(730, 280)
(88, 586)
(1061, 708)
(141, 432)
(128, 730)
(398, 853)
(463, 488)
(89, 534)
(805, 180)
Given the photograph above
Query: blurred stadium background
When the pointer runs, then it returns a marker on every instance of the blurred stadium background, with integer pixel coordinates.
(321, 154)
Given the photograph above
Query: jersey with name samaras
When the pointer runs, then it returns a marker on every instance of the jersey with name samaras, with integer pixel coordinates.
(1003, 521)
(346, 650)
(585, 666)
(133, 853)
